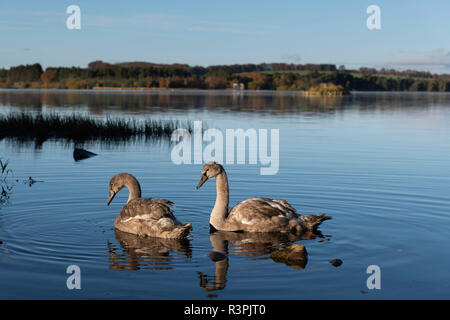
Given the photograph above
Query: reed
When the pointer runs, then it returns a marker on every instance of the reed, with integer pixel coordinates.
(5, 188)
(4, 171)
(78, 128)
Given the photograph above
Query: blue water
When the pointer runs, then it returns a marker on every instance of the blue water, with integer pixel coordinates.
(378, 163)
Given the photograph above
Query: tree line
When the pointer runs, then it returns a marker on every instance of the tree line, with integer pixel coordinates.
(264, 76)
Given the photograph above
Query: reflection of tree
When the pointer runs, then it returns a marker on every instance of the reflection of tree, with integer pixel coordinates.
(266, 102)
(140, 253)
(252, 245)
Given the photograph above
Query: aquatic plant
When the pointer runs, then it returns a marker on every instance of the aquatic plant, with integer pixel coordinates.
(5, 188)
(4, 171)
(78, 128)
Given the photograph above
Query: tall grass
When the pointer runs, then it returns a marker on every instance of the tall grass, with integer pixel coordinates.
(82, 128)
(4, 171)
(5, 188)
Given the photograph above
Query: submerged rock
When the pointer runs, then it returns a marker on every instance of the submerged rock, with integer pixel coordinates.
(295, 256)
(81, 154)
(336, 262)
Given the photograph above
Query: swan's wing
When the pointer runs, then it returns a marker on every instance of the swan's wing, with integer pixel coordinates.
(148, 209)
(285, 205)
(256, 209)
(163, 202)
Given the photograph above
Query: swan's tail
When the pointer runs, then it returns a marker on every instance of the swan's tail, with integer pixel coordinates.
(312, 221)
(183, 231)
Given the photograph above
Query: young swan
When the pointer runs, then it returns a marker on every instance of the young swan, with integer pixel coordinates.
(254, 214)
(145, 216)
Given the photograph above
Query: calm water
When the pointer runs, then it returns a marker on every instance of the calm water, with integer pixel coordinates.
(378, 163)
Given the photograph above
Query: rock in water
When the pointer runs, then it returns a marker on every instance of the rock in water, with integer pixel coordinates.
(81, 154)
(295, 256)
(336, 262)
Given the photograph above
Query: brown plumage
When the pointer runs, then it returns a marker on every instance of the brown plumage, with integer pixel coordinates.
(145, 216)
(254, 214)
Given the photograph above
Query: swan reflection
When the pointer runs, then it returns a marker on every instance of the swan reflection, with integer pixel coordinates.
(140, 253)
(253, 246)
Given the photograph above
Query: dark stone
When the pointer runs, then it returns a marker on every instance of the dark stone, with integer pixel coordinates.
(81, 154)
(336, 262)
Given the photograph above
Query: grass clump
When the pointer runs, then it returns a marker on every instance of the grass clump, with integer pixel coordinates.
(4, 171)
(79, 128)
(5, 188)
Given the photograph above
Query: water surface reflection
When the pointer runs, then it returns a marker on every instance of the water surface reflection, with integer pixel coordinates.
(145, 253)
(101, 102)
(252, 245)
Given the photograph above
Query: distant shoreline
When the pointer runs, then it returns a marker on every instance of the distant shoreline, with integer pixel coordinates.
(303, 93)
(272, 76)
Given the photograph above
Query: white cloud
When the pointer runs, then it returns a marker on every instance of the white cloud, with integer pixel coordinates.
(292, 58)
(436, 61)
(156, 19)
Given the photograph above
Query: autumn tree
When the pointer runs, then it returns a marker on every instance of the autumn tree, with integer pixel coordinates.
(48, 76)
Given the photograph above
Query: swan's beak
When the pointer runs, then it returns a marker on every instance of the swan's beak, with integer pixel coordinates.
(202, 181)
(112, 194)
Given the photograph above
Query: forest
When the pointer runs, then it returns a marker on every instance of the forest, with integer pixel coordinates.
(264, 76)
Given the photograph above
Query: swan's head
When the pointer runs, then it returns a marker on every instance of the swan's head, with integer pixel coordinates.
(117, 183)
(210, 170)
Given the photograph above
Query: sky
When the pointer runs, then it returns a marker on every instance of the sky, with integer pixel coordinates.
(414, 34)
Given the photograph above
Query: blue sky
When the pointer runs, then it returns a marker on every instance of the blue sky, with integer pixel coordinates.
(414, 34)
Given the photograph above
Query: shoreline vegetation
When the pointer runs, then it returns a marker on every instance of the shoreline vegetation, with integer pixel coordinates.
(78, 128)
(326, 89)
(314, 79)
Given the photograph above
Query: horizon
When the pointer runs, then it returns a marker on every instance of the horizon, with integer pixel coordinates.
(199, 34)
(223, 65)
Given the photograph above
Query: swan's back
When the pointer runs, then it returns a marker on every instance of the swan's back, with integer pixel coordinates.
(270, 215)
(262, 215)
(148, 209)
(151, 217)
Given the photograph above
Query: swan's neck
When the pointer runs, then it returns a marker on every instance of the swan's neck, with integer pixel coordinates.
(220, 210)
(134, 189)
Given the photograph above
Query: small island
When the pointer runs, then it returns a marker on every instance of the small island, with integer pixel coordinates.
(326, 89)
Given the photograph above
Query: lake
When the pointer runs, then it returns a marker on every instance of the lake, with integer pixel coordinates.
(377, 163)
